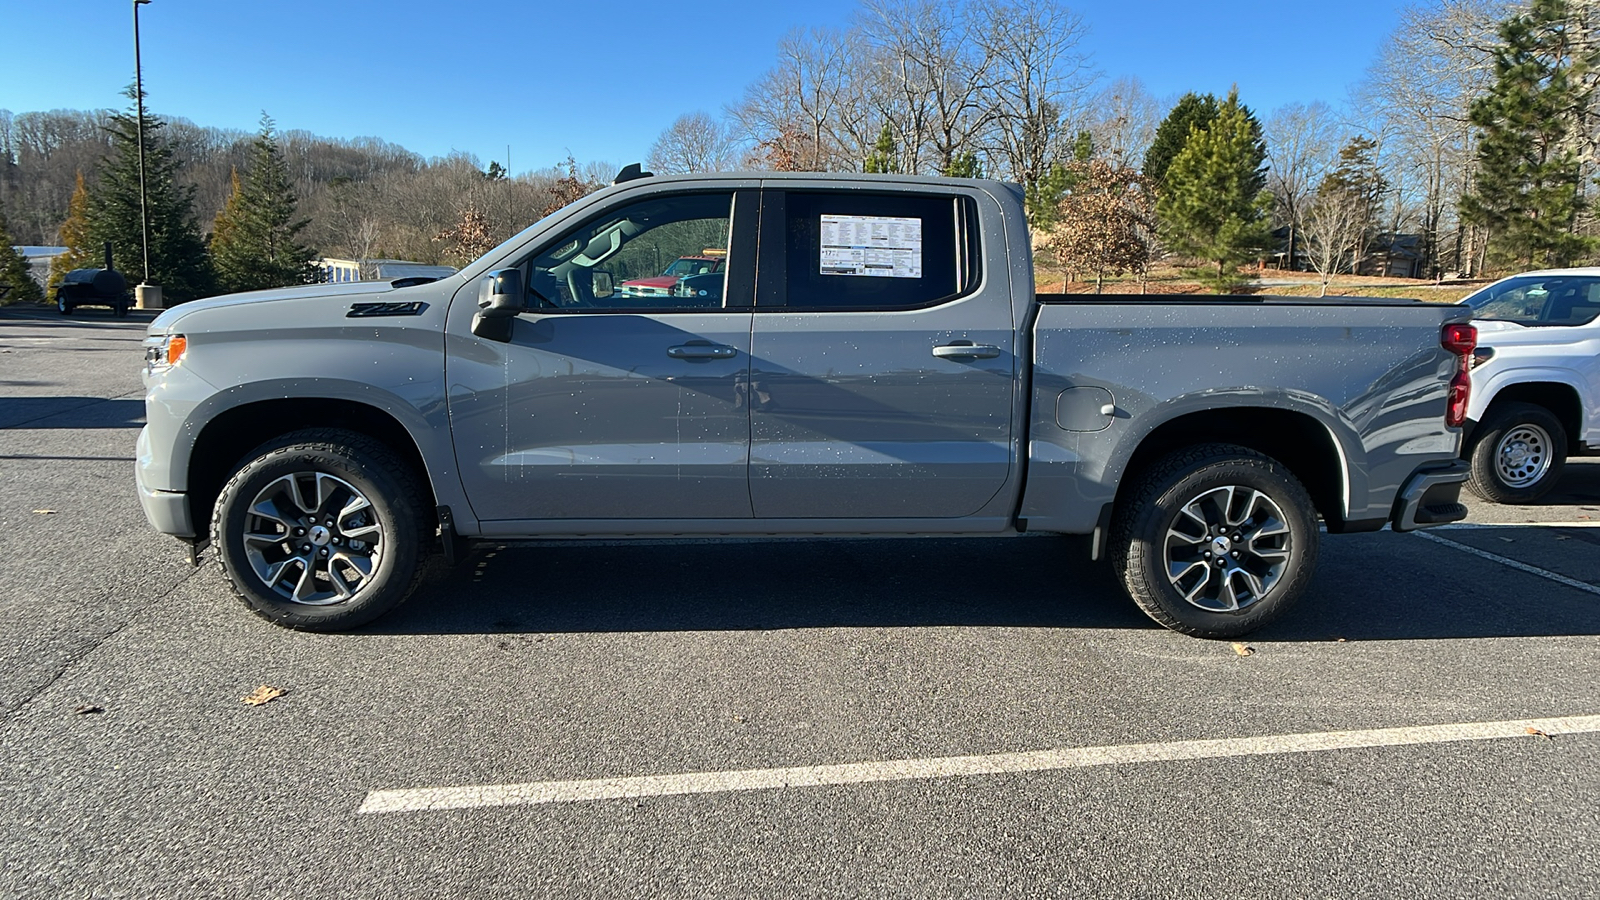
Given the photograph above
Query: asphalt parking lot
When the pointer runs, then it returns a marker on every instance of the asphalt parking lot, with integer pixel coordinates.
(914, 718)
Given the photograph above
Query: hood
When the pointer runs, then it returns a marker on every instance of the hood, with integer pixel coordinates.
(171, 316)
(661, 281)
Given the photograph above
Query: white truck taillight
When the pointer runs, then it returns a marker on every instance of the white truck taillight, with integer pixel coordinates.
(1460, 339)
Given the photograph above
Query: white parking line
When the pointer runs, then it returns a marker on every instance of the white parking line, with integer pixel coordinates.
(1512, 563)
(536, 792)
(1480, 526)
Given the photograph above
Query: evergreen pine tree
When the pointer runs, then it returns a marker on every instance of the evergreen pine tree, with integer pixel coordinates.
(884, 153)
(1527, 191)
(256, 238)
(15, 280)
(1193, 111)
(1214, 206)
(178, 260)
(82, 253)
(965, 165)
(1043, 198)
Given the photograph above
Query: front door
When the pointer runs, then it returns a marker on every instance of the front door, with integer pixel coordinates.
(883, 359)
(621, 393)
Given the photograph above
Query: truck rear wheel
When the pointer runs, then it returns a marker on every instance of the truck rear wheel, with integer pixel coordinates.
(62, 306)
(322, 530)
(1518, 454)
(1215, 541)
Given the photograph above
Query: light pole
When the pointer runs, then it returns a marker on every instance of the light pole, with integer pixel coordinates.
(147, 295)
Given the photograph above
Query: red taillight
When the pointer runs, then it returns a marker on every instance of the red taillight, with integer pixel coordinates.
(1460, 393)
(1460, 340)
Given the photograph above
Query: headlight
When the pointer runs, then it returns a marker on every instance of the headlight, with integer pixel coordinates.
(164, 351)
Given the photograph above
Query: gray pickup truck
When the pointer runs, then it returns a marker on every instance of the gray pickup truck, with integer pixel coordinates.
(871, 359)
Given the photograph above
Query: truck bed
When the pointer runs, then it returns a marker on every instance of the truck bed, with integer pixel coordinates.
(1364, 379)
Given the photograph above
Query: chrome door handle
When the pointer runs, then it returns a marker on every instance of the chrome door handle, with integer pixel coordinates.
(702, 351)
(966, 351)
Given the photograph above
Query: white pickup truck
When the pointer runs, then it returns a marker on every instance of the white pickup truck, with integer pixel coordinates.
(1535, 381)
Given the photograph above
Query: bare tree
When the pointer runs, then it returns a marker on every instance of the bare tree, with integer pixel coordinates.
(1336, 230)
(1039, 77)
(794, 102)
(1302, 143)
(937, 66)
(695, 142)
(1416, 96)
(1122, 120)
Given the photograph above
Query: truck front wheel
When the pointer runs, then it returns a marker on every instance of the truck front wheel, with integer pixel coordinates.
(1517, 454)
(322, 530)
(1215, 541)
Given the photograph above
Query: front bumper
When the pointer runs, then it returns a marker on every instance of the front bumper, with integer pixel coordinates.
(1432, 496)
(168, 511)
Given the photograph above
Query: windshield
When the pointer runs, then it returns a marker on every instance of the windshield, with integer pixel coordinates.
(1539, 300)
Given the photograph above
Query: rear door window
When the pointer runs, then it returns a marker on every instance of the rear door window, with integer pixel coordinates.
(858, 250)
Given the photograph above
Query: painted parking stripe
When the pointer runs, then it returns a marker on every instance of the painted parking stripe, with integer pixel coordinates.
(1484, 526)
(539, 792)
(1514, 564)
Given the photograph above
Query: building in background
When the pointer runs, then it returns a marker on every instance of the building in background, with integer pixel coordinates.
(39, 259)
(339, 271)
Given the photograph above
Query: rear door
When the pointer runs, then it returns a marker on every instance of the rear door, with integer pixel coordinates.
(883, 358)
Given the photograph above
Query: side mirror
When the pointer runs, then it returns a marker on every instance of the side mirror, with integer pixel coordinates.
(500, 300)
(600, 285)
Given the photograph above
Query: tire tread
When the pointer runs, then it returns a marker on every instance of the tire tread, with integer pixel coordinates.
(1135, 561)
(366, 454)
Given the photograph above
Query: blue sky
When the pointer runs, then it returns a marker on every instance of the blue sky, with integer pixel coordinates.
(600, 80)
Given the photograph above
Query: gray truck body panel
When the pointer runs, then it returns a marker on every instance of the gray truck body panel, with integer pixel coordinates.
(584, 423)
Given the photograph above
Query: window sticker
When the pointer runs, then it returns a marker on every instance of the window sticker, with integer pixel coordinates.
(874, 246)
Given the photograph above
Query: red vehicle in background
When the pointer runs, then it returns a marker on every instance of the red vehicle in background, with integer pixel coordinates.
(663, 284)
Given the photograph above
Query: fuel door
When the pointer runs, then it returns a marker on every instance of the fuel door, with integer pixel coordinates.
(1085, 409)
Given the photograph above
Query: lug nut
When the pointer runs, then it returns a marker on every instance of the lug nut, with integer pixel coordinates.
(305, 548)
(299, 532)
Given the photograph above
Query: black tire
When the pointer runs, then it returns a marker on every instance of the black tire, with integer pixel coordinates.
(120, 310)
(62, 306)
(1518, 453)
(1143, 545)
(365, 468)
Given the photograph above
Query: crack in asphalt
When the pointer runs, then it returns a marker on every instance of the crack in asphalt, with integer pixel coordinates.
(15, 710)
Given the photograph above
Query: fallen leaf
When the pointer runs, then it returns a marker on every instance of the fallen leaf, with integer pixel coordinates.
(1537, 733)
(89, 709)
(1243, 649)
(45, 512)
(264, 694)
(1343, 641)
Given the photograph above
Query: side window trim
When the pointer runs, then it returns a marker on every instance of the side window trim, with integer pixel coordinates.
(772, 258)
